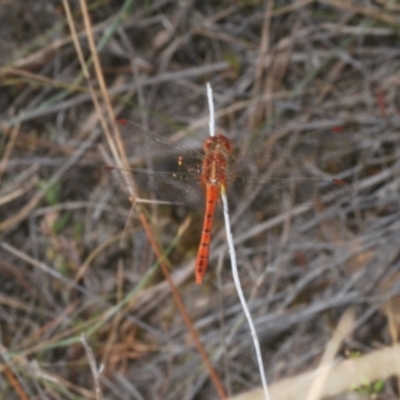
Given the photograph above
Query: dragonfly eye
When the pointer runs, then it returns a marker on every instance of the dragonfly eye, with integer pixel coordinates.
(225, 142)
(209, 144)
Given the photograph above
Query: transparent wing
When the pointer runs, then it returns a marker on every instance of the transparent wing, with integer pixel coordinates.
(308, 167)
(162, 171)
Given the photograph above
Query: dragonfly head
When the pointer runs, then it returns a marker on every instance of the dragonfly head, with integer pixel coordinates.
(218, 142)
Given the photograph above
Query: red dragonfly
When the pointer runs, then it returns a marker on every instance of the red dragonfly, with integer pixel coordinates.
(217, 150)
(185, 173)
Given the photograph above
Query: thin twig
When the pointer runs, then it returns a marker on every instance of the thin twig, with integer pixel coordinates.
(93, 367)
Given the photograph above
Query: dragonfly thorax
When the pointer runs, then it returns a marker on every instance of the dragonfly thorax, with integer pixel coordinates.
(215, 163)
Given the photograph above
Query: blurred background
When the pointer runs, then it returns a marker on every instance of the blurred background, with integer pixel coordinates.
(308, 93)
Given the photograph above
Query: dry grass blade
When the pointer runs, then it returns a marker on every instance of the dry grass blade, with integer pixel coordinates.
(344, 328)
(12, 379)
(345, 376)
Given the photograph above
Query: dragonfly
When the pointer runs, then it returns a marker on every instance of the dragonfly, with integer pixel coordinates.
(217, 150)
(174, 170)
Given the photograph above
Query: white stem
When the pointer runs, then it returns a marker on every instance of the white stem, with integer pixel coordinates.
(211, 107)
(239, 290)
(232, 254)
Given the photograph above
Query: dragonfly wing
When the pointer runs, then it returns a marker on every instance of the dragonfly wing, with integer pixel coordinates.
(160, 170)
(140, 144)
(304, 171)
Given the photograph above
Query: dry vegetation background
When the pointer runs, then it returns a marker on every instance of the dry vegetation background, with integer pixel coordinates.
(293, 78)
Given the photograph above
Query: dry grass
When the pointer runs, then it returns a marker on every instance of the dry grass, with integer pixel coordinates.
(302, 78)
